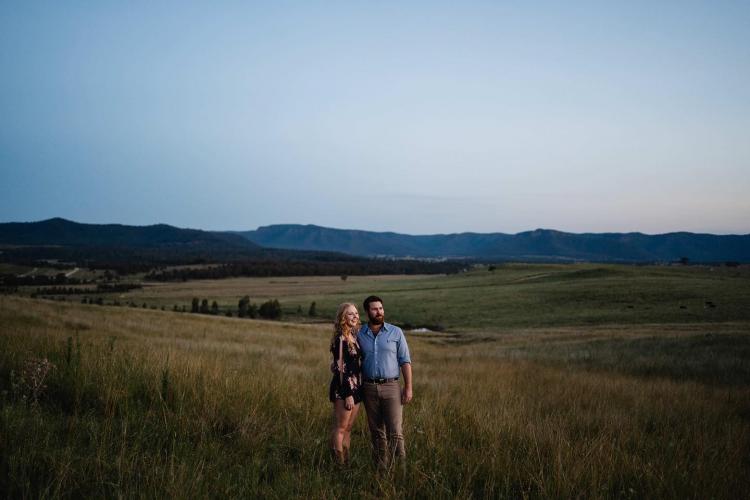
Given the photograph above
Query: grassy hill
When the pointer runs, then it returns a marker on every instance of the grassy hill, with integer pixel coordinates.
(138, 402)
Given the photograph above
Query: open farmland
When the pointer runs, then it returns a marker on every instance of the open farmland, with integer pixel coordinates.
(512, 296)
(584, 398)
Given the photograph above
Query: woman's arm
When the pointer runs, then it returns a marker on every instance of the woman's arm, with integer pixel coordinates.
(340, 362)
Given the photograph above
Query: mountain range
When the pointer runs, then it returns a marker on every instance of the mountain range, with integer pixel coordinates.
(63, 232)
(59, 237)
(135, 248)
(537, 245)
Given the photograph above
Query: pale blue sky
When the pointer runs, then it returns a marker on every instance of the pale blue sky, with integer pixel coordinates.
(415, 117)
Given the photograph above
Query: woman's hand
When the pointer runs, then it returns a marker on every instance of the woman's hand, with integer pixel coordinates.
(349, 402)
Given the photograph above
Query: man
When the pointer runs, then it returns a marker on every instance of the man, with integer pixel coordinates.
(384, 350)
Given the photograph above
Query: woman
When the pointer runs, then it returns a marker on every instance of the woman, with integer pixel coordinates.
(345, 389)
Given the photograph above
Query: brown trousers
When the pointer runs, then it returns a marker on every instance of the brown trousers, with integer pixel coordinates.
(385, 417)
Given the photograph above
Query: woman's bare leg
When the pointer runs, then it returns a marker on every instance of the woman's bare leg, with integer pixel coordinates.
(347, 437)
(338, 431)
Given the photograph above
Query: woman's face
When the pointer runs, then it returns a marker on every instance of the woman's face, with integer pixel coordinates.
(351, 316)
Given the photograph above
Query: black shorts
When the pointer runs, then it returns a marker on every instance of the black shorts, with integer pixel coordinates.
(333, 392)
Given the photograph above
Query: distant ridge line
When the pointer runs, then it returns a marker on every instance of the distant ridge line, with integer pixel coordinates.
(636, 233)
(534, 245)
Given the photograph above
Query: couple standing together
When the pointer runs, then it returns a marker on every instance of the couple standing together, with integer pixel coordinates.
(367, 360)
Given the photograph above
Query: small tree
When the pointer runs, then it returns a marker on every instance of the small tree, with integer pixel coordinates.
(195, 305)
(214, 308)
(252, 311)
(242, 306)
(271, 309)
(312, 311)
(204, 307)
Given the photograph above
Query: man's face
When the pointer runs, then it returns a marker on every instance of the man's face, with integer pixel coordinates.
(375, 313)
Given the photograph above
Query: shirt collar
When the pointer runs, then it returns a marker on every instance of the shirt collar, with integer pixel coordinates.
(383, 329)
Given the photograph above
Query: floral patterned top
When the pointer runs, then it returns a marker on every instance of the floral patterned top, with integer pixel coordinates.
(347, 373)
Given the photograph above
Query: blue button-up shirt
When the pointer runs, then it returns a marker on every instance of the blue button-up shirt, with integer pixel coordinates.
(384, 353)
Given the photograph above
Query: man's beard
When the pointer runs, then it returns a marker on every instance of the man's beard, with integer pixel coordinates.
(376, 320)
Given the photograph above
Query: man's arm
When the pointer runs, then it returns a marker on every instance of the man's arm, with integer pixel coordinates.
(406, 392)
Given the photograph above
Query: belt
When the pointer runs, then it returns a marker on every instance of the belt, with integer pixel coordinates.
(380, 380)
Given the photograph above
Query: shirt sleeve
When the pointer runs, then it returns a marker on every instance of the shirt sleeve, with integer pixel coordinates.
(403, 351)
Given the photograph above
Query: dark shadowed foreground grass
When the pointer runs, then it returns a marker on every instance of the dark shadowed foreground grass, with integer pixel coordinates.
(159, 404)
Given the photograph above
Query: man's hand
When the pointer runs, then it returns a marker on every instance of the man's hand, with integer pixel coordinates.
(349, 402)
(406, 395)
(406, 391)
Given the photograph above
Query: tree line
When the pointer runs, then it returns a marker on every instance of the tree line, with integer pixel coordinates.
(100, 288)
(39, 280)
(307, 268)
(270, 309)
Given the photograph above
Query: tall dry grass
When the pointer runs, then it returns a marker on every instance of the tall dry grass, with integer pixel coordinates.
(159, 404)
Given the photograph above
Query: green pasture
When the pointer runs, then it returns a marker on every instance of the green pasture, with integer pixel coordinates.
(511, 296)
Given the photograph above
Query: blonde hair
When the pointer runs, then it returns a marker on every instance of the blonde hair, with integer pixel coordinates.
(341, 328)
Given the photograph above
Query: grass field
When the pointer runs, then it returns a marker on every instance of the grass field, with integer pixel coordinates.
(562, 392)
(512, 296)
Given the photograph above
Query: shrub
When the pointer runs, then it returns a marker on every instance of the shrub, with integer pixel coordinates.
(270, 309)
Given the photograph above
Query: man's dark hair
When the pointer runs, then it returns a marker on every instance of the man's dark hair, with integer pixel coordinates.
(371, 298)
